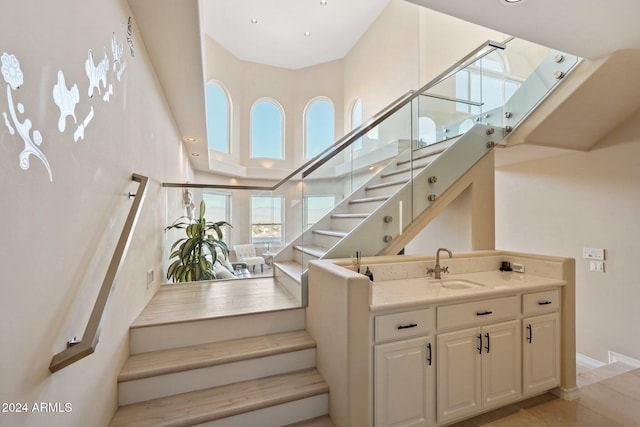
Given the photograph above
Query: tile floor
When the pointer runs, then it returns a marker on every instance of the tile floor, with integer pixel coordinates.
(609, 397)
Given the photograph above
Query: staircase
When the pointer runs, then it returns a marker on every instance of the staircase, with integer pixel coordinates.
(255, 369)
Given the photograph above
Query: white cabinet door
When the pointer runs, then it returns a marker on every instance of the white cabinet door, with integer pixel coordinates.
(501, 364)
(541, 353)
(459, 374)
(404, 383)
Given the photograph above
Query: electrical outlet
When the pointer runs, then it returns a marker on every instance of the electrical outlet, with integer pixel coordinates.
(593, 253)
(596, 266)
(150, 277)
(518, 268)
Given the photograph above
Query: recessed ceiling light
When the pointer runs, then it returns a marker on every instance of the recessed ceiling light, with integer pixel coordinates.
(307, 33)
(323, 2)
(195, 154)
(189, 139)
(254, 21)
(512, 1)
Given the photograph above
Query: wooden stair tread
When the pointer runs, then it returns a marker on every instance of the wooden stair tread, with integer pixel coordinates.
(350, 215)
(331, 233)
(220, 402)
(144, 365)
(324, 421)
(369, 199)
(387, 184)
(315, 251)
(292, 269)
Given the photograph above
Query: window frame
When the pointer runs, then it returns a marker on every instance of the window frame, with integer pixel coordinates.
(282, 128)
(305, 124)
(272, 241)
(229, 118)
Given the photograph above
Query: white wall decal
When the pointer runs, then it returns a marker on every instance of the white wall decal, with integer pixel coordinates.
(66, 100)
(13, 76)
(118, 63)
(79, 133)
(96, 73)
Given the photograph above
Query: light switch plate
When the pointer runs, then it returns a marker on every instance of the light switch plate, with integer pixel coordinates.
(596, 266)
(593, 253)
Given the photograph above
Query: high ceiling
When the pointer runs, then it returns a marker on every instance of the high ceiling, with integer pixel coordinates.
(277, 36)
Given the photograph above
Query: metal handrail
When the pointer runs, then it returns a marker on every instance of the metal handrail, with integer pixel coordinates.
(308, 167)
(78, 350)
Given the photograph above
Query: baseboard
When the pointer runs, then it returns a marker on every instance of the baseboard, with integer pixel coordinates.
(588, 362)
(566, 393)
(617, 357)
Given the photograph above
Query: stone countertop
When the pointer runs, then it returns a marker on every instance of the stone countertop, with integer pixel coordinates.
(425, 291)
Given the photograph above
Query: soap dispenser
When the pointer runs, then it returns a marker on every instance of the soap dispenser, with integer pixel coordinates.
(369, 274)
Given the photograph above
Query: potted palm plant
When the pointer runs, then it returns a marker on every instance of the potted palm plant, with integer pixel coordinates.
(196, 253)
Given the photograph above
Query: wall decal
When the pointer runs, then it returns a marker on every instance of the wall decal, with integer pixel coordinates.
(12, 74)
(79, 133)
(96, 73)
(66, 100)
(130, 37)
(119, 65)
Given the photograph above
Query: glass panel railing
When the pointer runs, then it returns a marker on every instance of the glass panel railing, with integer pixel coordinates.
(381, 170)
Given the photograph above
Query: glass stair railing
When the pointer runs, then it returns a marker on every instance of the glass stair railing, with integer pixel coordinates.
(364, 193)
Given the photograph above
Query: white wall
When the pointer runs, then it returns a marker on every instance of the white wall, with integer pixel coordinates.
(560, 205)
(58, 236)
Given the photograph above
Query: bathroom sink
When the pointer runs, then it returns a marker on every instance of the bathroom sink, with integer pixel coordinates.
(455, 283)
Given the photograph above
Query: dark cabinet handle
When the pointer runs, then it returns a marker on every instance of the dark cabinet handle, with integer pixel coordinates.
(544, 302)
(430, 353)
(410, 325)
(529, 333)
(483, 313)
(488, 342)
(480, 348)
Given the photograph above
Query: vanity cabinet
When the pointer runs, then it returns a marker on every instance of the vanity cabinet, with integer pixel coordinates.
(541, 342)
(404, 376)
(478, 368)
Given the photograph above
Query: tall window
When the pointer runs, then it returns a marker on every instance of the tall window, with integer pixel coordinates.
(219, 209)
(426, 131)
(315, 207)
(356, 121)
(267, 130)
(218, 122)
(486, 81)
(319, 126)
(267, 219)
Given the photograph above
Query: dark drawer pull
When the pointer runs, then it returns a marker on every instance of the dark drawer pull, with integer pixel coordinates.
(410, 325)
(483, 313)
(544, 302)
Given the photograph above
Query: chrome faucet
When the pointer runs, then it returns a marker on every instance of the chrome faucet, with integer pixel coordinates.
(437, 269)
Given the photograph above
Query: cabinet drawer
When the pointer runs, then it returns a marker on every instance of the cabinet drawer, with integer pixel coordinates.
(402, 325)
(478, 312)
(541, 302)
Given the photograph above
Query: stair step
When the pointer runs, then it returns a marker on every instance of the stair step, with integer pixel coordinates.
(315, 251)
(225, 401)
(350, 215)
(162, 362)
(324, 421)
(422, 156)
(195, 332)
(403, 170)
(331, 233)
(369, 199)
(386, 184)
(290, 268)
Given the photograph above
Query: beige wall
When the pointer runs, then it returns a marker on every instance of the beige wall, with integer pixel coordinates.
(560, 205)
(58, 236)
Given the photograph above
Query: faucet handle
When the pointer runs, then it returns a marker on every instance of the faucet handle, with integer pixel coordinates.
(444, 269)
(430, 271)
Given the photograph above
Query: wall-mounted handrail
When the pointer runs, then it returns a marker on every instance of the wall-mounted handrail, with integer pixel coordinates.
(91, 335)
(357, 133)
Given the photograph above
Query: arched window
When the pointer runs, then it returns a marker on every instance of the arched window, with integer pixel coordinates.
(218, 118)
(465, 126)
(488, 81)
(426, 131)
(356, 121)
(319, 126)
(267, 130)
